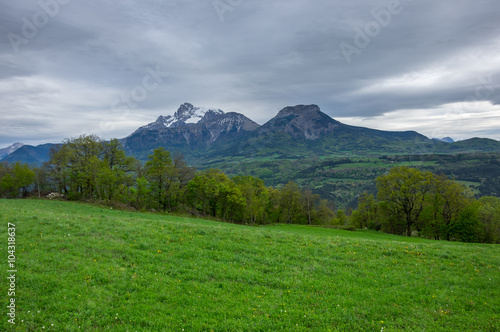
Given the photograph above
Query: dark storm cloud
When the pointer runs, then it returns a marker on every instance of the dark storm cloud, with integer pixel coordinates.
(254, 57)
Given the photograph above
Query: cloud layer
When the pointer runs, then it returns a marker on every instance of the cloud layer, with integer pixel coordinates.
(107, 67)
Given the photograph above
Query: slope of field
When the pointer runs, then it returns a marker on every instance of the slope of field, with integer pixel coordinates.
(90, 268)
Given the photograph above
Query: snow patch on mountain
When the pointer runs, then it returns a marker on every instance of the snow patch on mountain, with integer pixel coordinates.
(10, 149)
(187, 114)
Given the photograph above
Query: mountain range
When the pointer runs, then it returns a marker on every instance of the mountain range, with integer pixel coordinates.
(203, 134)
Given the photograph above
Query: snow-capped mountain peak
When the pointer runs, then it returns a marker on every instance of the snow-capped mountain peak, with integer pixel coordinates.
(10, 149)
(185, 115)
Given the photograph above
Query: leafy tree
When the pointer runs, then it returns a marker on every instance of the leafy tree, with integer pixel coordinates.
(466, 227)
(325, 212)
(231, 201)
(366, 214)
(404, 192)
(309, 203)
(489, 217)
(340, 218)
(450, 199)
(59, 168)
(76, 164)
(289, 203)
(88, 167)
(141, 193)
(17, 180)
(85, 160)
(116, 173)
(185, 172)
(256, 196)
(160, 170)
(212, 191)
(7, 186)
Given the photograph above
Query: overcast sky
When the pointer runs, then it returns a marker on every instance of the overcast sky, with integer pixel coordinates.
(72, 67)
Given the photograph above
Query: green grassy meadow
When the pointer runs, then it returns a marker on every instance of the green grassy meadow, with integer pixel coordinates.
(90, 268)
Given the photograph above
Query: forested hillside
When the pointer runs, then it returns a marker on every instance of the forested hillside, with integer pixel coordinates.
(435, 206)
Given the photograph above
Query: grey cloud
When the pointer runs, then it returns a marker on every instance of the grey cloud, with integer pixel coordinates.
(263, 56)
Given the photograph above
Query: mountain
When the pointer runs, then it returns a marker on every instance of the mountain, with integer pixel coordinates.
(190, 130)
(186, 114)
(8, 150)
(30, 154)
(301, 122)
(474, 144)
(304, 130)
(310, 123)
(445, 139)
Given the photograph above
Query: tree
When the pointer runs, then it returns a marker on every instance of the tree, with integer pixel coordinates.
(489, 217)
(85, 162)
(309, 202)
(231, 202)
(340, 218)
(59, 168)
(404, 191)
(159, 169)
(450, 199)
(325, 212)
(7, 187)
(366, 214)
(466, 227)
(76, 165)
(16, 180)
(88, 167)
(256, 196)
(289, 203)
(115, 175)
(185, 172)
(212, 192)
(140, 193)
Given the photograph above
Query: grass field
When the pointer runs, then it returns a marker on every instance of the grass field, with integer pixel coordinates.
(90, 268)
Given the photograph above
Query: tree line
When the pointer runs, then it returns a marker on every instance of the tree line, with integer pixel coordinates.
(91, 169)
(419, 203)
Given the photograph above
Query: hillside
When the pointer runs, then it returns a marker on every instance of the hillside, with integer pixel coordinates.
(342, 178)
(84, 267)
(33, 155)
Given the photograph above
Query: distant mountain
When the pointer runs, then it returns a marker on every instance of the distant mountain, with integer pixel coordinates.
(474, 144)
(445, 139)
(8, 150)
(186, 114)
(30, 154)
(301, 122)
(190, 130)
(304, 130)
